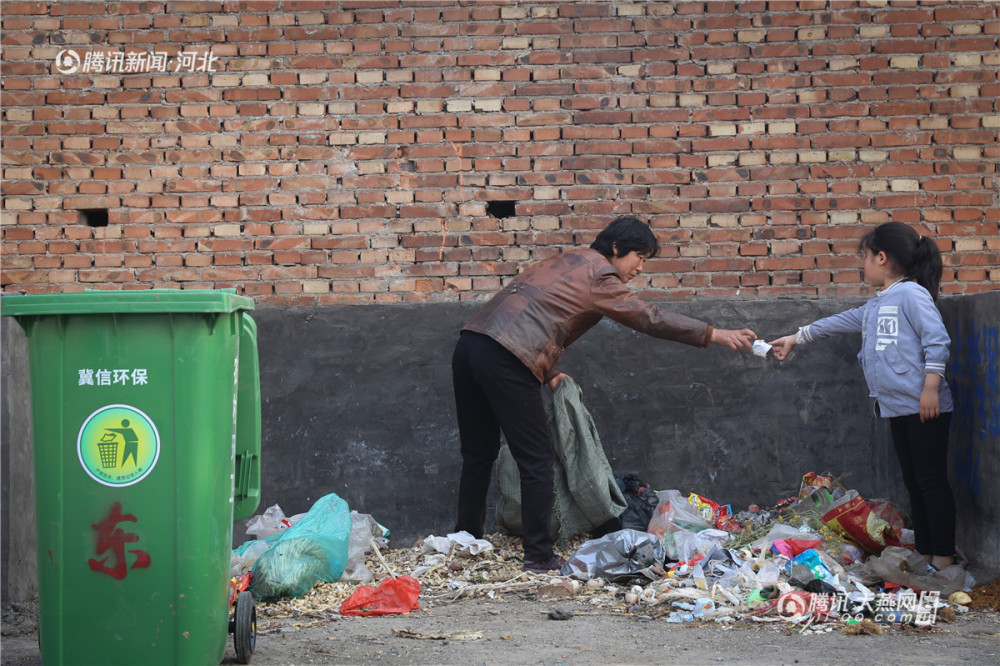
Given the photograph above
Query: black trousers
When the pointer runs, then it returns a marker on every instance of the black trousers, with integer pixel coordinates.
(922, 449)
(495, 392)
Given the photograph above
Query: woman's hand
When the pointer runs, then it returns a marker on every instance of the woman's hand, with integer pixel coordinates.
(735, 340)
(782, 347)
(554, 382)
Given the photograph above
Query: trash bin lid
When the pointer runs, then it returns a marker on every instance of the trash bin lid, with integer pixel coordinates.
(96, 301)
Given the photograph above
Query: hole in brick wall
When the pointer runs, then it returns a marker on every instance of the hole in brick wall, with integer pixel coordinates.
(500, 209)
(94, 217)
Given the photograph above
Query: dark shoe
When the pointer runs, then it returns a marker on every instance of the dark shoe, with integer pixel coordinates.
(552, 564)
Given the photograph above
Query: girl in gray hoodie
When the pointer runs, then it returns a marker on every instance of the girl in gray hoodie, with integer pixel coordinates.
(904, 353)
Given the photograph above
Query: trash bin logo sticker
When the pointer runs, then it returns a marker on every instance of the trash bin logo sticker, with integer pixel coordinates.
(118, 445)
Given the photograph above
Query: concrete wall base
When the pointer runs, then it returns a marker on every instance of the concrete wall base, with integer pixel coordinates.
(358, 401)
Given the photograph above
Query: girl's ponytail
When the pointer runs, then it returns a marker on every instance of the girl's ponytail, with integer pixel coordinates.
(916, 256)
(926, 265)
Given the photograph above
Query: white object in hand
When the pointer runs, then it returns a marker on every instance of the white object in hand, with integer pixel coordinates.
(761, 348)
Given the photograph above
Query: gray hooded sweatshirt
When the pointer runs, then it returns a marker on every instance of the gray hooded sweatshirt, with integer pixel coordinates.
(902, 338)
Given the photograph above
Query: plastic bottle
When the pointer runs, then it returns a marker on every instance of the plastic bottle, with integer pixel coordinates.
(699, 577)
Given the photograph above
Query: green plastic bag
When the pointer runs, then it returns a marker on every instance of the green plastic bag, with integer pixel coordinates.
(312, 550)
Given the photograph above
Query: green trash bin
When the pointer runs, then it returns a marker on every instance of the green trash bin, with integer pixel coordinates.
(146, 415)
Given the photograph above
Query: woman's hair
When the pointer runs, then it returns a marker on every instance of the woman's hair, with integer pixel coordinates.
(626, 234)
(916, 256)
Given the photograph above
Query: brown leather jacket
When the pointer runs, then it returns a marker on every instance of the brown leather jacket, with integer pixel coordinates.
(552, 303)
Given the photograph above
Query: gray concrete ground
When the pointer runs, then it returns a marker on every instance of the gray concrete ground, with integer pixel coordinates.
(517, 630)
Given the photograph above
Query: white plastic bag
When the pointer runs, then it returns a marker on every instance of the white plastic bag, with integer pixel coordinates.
(364, 530)
(690, 544)
(271, 521)
(242, 562)
(675, 513)
(455, 543)
(907, 568)
(769, 572)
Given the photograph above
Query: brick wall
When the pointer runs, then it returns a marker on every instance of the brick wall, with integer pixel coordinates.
(374, 152)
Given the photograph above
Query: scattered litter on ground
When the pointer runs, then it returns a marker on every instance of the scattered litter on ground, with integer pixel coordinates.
(823, 560)
(947, 614)
(863, 628)
(456, 636)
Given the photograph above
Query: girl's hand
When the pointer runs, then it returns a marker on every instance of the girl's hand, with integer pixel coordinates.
(782, 347)
(930, 404)
(735, 340)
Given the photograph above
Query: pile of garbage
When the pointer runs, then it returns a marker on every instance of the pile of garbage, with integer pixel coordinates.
(823, 558)
(290, 555)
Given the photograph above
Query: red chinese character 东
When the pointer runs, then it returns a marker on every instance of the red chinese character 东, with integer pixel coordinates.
(110, 538)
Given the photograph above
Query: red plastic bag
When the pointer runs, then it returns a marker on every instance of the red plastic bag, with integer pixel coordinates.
(393, 595)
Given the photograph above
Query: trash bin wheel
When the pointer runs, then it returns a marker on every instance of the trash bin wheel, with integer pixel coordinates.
(245, 627)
